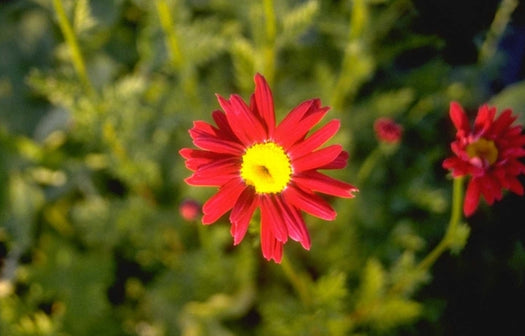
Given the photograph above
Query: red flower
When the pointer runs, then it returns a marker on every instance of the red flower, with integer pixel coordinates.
(257, 164)
(387, 130)
(489, 152)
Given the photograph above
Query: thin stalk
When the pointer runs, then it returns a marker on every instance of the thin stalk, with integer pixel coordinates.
(297, 280)
(172, 42)
(360, 314)
(71, 40)
(500, 22)
(349, 75)
(269, 43)
(368, 165)
(180, 63)
(455, 218)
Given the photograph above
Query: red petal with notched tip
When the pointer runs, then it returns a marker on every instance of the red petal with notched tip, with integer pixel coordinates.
(294, 222)
(314, 141)
(309, 202)
(196, 158)
(271, 247)
(287, 137)
(316, 181)
(241, 214)
(264, 103)
(215, 173)
(222, 201)
(471, 198)
(459, 117)
(317, 159)
(274, 217)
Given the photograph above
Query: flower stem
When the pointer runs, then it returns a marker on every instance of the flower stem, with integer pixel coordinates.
(446, 241)
(297, 280)
(368, 165)
(71, 40)
(269, 43)
(360, 314)
(455, 217)
(172, 42)
(500, 22)
(179, 63)
(357, 63)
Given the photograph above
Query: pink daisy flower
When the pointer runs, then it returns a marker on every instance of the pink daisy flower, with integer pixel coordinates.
(257, 164)
(489, 152)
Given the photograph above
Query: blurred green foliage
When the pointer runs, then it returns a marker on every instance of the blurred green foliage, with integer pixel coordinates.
(96, 98)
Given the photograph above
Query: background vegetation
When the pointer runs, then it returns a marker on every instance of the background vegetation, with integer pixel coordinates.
(96, 98)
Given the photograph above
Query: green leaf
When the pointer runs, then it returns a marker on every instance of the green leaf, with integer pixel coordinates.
(394, 312)
(83, 21)
(330, 291)
(373, 282)
(296, 21)
(458, 237)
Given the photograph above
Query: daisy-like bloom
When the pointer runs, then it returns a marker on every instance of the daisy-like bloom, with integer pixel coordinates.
(387, 130)
(260, 165)
(489, 152)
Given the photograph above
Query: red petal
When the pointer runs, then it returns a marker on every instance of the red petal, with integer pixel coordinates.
(222, 201)
(294, 223)
(291, 120)
(339, 163)
(202, 128)
(272, 216)
(223, 125)
(248, 121)
(241, 214)
(219, 145)
(316, 181)
(471, 198)
(456, 165)
(317, 159)
(309, 202)
(288, 137)
(264, 103)
(458, 117)
(195, 158)
(271, 247)
(504, 120)
(515, 186)
(484, 119)
(490, 188)
(215, 173)
(242, 121)
(316, 140)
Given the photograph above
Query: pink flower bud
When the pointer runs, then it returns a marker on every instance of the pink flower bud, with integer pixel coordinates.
(190, 210)
(387, 130)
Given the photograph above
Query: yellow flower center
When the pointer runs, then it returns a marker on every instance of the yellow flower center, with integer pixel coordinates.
(266, 167)
(483, 149)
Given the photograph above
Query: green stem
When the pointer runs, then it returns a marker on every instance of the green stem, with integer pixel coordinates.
(172, 42)
(178, 61)
(368, 165)
(501, 19)
(455, 218)
(445, 243)
(269, 44)
(354, 67)
(297, 280)
(71, 40)
(361, 314)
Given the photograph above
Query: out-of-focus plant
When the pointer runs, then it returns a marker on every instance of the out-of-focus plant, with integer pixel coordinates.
(96, 234)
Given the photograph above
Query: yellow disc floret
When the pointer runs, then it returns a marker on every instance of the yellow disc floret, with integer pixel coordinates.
(483, 149)
(266, 167)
